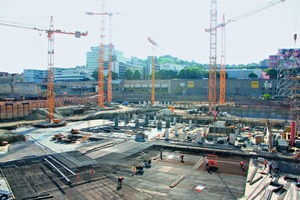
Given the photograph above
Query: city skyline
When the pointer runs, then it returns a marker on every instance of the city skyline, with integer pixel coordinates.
(177, 27)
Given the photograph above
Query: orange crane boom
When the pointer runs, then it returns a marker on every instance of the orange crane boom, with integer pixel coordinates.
(50, 34)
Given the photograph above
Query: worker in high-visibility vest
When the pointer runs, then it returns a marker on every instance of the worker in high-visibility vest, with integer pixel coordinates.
(242, 164)
(265, 164)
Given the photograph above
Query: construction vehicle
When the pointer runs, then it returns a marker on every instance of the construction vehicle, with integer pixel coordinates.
(212, 160)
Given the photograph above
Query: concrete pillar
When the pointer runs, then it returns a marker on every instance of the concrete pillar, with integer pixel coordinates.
(198, 136)
(176, 130)
(168, 123)
(183, 127)
(137, 123)
(167, 134)
(117, 121)
(159, 125)
(237, 131)
(203, 134)
(126, 118)
(146, 122)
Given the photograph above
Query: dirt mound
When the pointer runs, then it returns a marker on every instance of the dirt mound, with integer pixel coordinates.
(41, 114)
(6, 135)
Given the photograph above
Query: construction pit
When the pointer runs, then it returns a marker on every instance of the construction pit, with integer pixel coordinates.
(101, 150)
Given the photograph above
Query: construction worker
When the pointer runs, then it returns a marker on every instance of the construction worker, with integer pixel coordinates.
(242, 164)
(265, 164)
(270, 167)
(120, 180)
(181, 156)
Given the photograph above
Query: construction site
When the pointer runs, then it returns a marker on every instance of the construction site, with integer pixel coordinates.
(155, 146)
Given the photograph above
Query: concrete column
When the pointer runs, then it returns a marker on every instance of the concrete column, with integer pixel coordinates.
(167, 134)
(183, 127)
(126, 118)
(146, 122)
(203, 134)
(168, 123)
(198, 136)
(176, 130)
(117, 121)
(137, 123)
(159, 125)
(237, 131)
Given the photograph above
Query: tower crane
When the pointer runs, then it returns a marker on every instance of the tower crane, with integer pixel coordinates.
(154, 44)
(109, 77)
(101, 57)
(50, 34)
(213, 46)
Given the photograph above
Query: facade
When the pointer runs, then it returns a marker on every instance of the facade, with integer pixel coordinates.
(35, 76)
(70, 74)
(59, 74)
(170, 66)
(92, 58)
(243, 73)
(273, 61)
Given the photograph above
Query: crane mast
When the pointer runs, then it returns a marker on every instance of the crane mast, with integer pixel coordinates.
(153, 71)
(50, 85)
(109, 77)
(101, 62)
(223, 69)
(212, 58)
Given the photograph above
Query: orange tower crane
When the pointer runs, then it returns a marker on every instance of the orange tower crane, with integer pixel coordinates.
(153, 71)
(101, 56)
(223, 69)
(109, 77)
(50, 34)
(213, 54)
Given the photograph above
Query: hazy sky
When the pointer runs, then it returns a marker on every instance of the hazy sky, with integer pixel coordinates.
(176, 25)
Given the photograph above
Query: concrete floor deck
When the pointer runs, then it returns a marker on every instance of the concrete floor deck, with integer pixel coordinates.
(33, 177)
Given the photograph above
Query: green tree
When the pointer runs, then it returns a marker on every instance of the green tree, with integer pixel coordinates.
(271, 72)
(137, 75)
(165, 74)
(252, 75)
(267, 96)
(129, 74)
(95, 75)
(115, 76)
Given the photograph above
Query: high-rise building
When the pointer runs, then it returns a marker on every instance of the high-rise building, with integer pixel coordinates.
(92, 58)
(273, 61)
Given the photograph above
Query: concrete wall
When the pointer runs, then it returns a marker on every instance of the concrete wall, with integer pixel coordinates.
(257, 112)
(16, 90)
(234, 88)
